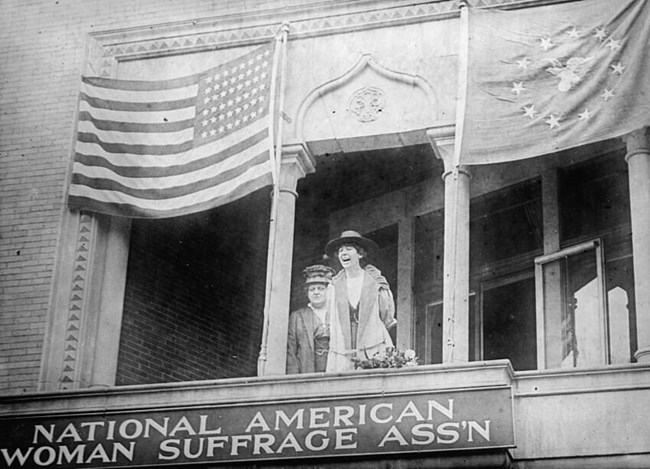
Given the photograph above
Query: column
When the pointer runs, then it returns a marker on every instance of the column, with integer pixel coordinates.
(296, 163)
(456, 251)
(638, 160)
(405, 312)
(548, 281)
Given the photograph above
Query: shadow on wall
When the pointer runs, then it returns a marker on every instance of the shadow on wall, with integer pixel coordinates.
(195, 295)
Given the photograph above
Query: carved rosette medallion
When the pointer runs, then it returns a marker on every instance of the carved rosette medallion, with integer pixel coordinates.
(367, 104)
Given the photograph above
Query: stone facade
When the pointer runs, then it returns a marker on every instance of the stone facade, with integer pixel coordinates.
(369, 85)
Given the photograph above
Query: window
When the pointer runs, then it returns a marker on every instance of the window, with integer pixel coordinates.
(505, 235)
(572, 309)
(508, 321)
(594, 204)
(427, 286)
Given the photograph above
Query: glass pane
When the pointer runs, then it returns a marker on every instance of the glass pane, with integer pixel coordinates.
(556, 334)
(434, 333)
(509, 328)
(619, 325)
(582, 327)
(429, 332)
(621, 311)
(574, 324)
(513, 214)
(594, 196)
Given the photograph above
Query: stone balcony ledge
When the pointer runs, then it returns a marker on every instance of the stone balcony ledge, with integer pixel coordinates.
(315, 386)
(312, 386)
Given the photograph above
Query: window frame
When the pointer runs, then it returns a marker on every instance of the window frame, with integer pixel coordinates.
(485, 285)
(541, 313)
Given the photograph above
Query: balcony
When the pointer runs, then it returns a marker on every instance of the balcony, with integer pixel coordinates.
(479, 414)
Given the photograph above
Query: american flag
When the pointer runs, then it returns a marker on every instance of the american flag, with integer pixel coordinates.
(155, 149)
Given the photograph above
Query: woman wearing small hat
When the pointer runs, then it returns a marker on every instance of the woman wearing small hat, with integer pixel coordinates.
(361, 305)
(308, 340)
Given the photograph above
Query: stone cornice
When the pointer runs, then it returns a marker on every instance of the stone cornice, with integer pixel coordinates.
(237, 29)
(249, 28)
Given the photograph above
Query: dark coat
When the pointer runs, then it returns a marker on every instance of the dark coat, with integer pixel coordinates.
(300, 342)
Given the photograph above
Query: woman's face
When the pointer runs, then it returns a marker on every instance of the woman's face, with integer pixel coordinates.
(349, 256)
(316, 292)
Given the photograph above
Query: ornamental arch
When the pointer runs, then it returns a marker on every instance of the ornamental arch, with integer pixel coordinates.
(366, 130)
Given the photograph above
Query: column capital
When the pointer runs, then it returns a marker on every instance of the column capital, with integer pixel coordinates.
(442, 141)
(296, 163)
(637, 142)
(457, 171)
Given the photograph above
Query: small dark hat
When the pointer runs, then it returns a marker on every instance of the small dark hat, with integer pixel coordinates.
(350, 237)
(318, 274)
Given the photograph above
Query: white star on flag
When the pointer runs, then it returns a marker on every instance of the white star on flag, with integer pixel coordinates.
(545, 43)
(553, 121)
(607, 94)
(613, 45)
(524, 63)
(585, 115)
(517, 87)
(618, 68)
(529, 111)
(601, 34)
(573, 33)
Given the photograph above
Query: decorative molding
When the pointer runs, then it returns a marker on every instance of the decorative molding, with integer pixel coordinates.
(367, 104)
(226, 31)
(442, 141)
(307, 20)
(637, 143)
(80, 273)
(366, 61)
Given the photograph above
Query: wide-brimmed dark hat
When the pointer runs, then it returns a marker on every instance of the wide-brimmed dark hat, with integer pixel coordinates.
(318, 274)
(350, 237)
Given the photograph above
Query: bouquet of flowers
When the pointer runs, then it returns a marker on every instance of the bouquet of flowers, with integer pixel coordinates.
(390, 358)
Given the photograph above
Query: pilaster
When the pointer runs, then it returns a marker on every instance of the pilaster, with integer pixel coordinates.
(82, 339)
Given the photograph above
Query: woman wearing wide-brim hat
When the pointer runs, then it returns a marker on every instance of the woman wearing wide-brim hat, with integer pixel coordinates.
(361, 306)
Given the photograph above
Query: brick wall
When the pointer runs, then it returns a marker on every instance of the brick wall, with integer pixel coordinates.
(195, 295)
(42, 47)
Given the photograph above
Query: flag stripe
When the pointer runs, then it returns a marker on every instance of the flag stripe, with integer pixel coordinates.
(254, 143)
(181, 175)
(148, 117)
(111, 125)
(171, 203)
(251, 134)
(118, 148)
(138, 138)
(141, 96)
(138, 107)
(134, 85)
(135, 211)
(174, 186)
